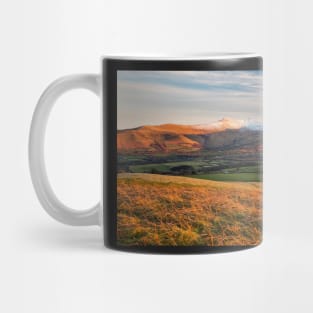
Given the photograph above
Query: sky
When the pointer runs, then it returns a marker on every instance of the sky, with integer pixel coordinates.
(187, 97)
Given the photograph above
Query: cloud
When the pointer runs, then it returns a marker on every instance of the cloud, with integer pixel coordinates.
(248, 81)
(187, 96)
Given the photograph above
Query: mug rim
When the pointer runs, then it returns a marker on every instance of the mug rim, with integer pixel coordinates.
(183, 57)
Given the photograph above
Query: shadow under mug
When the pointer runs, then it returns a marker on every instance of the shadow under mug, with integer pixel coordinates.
(181, 153)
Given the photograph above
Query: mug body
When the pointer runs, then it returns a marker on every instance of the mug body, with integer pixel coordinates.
(182, 153)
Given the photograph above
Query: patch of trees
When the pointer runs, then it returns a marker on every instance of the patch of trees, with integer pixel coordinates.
(183, 170)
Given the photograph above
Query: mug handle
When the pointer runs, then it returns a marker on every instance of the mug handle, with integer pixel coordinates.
(45, 194)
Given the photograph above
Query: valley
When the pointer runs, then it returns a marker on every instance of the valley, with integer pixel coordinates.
(230, 154)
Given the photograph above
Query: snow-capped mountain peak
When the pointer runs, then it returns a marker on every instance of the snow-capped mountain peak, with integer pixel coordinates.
(222, 124)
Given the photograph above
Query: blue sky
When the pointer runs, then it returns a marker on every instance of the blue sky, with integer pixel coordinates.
(187, 97)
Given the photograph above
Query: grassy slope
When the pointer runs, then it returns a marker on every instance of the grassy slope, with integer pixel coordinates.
(172, 210)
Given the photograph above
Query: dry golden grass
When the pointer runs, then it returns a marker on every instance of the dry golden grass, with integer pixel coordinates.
(180, 211)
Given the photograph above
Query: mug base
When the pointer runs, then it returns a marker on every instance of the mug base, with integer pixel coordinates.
(180, 249)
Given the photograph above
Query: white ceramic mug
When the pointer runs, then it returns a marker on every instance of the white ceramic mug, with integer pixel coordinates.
(182, 153)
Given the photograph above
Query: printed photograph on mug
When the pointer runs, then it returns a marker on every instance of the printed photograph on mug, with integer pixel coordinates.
(189, 147)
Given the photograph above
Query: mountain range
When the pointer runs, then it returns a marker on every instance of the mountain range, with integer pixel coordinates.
(223, 134)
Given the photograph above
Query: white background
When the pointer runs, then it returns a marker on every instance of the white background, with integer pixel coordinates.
(49, 267)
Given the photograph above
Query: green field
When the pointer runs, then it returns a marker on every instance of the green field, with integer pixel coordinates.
(202, 171)
(164, 166)
(243, 177)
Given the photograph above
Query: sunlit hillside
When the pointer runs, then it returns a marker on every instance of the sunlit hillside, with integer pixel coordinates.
(175, 138)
